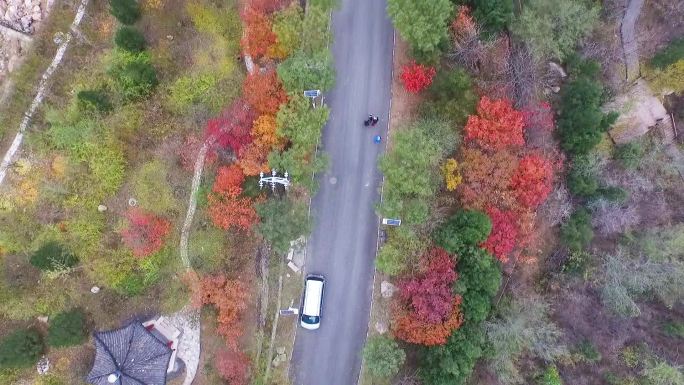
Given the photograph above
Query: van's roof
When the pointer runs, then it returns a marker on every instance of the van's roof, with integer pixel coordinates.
(312, 296)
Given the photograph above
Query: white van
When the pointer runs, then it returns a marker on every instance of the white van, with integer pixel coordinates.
(310, 313)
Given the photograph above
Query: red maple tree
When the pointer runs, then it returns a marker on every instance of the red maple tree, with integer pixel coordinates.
(229, 297)
(264, 91)
(144, 232)
(417, 77)
(429, 295)
(232, 128)
(258, 36)
(232, 366)
(497, 125)
(504, 235)
(533, 180)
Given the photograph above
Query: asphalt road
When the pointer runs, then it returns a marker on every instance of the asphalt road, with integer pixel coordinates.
(342, 245)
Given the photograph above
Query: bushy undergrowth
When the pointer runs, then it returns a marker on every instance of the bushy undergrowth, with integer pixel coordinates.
(67, 329)
(20, 349)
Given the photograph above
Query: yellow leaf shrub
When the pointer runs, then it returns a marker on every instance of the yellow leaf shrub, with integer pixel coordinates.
(452, 174)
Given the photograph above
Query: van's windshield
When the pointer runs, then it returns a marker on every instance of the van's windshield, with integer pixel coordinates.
(310, 319)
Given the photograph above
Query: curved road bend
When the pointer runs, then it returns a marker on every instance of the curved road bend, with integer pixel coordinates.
(342, 245)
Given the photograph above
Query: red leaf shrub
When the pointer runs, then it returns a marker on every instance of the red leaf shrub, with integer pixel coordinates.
(188, 151)
(503, 238)
(407, 327)
(232, 128)
(145, 232)
(229, 297)
(539, 115)
(258, 36)
(267, 6)
(533, 180)
(417, 77)
(264, 92)
(232, 366)
(429, 295)
(463, 26)
(496, 126)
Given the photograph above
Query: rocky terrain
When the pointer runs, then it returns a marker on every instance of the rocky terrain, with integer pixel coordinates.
(19, 19)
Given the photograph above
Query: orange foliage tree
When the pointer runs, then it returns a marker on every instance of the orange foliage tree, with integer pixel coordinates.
(264, 132)
(264, 91)
(496, 126)
(229, 297)
(258, 36)
(229, 180)
(232, 212)
(225, 206)
(486, 179)
(463, 27)
(254, 159)
(407, 327)
(533, 180)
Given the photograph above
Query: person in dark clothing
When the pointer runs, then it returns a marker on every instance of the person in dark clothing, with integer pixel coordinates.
(374, 120)
(368, 121)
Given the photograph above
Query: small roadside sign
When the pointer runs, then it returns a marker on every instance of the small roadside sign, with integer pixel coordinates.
(312, 93)
(290, 311)
(391, 222)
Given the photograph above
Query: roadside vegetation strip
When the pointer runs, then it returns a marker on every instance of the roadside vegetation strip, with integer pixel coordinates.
(40, 94)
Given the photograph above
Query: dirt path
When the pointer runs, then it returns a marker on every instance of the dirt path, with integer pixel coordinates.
(192, 205)
(42, 87)
(630, 44)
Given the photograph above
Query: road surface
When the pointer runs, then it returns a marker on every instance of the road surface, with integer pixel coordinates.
(342, 245)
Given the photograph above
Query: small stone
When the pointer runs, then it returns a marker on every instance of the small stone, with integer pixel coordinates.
(36, 8)
(387, 289)
(37, 16)
(132, 202)
(555, 89)
(43, 365)
(94, 289)
(381, 327)
(169, 37)
(101, 208)
(280, 350)
(25, 22)
(58, 38)
(43, 319)
(11, 63)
